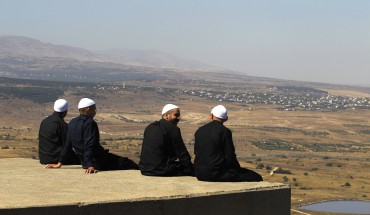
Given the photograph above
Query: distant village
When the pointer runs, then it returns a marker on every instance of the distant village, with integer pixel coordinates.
(288, 98)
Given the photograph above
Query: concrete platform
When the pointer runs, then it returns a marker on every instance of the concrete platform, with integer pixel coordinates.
(28, 188)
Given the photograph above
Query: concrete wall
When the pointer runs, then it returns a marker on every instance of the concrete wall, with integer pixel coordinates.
(31, 189)
(274, 202)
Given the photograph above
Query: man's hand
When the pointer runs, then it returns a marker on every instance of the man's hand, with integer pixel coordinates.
(90, 170)
(48, 166)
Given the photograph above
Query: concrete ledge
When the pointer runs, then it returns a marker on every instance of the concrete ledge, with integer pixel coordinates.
(28, 188)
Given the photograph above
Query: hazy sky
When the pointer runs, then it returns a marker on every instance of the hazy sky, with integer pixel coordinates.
(311, 40)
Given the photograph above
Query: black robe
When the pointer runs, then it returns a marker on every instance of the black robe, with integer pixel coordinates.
(162, 147)
(52, 135)
(214, 150)
(83, 136)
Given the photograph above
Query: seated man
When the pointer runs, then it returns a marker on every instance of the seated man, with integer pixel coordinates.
(52, 135)
(163, 146)
(215, 158)
(83, 136)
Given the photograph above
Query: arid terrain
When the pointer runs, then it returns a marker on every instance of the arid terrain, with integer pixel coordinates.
(323, 153)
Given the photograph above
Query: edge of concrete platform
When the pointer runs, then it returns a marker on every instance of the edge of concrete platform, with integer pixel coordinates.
(31, 190)
(276, 202)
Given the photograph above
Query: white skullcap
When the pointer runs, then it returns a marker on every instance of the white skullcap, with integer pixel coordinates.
(85, 102)
(220, 112)
(168, 107)
(60, 105)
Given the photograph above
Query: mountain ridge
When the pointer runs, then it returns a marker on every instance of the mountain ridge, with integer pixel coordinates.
(24, 57)
(19, 45)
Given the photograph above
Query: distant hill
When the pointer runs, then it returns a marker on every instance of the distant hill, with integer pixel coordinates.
(27, 58)
(151, 58)
(23, 57)
(24, 46)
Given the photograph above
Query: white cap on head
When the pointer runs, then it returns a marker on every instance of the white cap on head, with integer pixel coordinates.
(60, 105)
(85, 102)
(168, 107)
(220, 112)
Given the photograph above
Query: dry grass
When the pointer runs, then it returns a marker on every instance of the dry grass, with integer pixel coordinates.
(316, 175)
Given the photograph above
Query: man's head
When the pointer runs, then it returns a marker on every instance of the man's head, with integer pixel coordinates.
(219, 113)
(171, 113)
(87, 107)
(61, 106)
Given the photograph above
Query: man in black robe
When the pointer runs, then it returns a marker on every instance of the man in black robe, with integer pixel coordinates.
(215, 158)
(163, 151)
(83, 136)
(52, 135)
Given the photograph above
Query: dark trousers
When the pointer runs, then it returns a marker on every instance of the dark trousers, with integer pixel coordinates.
(71, 160)
(115, 162)
(233, 175)
(239, 175)
(174, 169)
(180, 170)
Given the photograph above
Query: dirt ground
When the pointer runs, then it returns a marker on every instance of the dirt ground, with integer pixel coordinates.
(324, 155)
